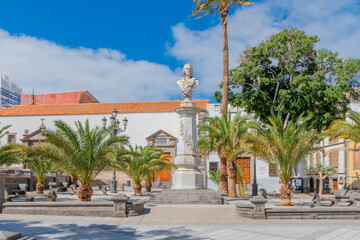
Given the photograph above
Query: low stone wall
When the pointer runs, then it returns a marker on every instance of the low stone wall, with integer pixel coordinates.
(95, 209)
(119, 207)
(313, 213)
(257, 210)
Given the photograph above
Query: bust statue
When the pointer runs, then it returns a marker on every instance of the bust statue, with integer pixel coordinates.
(187, 83)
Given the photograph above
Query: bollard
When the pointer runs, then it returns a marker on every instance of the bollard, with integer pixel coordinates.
(258, 211)
(120, 205)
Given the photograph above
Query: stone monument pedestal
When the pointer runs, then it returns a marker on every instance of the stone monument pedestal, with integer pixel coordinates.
(187, 180)
(187, 176)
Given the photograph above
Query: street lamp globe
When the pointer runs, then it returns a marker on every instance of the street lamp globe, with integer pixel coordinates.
(104, 120)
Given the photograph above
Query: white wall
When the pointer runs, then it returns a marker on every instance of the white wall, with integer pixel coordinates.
(140, 125)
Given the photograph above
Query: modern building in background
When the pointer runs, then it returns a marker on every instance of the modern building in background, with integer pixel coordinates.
(58, 98)
(10, 93)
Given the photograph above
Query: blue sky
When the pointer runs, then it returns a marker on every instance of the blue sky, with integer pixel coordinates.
(134, 50)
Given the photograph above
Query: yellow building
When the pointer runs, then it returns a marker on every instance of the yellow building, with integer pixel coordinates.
(353, 167)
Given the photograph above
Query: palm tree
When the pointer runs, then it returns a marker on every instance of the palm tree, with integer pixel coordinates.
(226, 137)
(343, 129)
(3, 131)
(157, 162)
(40, 167)
(10, 154)
(206, 7)
(83, 153)
(321, 172)
(214, 176)
(283, 148)
(139, 164)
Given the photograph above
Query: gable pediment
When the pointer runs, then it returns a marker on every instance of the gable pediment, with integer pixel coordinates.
(161, 134)
(34, 136)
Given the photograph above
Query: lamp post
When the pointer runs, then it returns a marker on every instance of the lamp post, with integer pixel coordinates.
(255, 185)
(115, 122)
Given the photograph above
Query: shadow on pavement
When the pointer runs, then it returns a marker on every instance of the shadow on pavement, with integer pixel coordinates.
(42, 230)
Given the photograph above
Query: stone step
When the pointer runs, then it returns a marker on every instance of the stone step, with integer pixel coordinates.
(198, 196)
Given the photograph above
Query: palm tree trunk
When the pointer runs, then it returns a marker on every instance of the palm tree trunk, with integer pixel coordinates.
(137, 189)
(224, 16)
(148, 186)
(73, 179)
(231, 171)
(84, 192)
(223, 181)
(285, 192)
(40, 187)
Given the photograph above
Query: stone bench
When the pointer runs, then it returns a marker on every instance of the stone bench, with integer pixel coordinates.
(15, 190)
(59, 186)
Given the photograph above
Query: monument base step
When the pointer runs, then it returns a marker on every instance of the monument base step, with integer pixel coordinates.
(180, 196)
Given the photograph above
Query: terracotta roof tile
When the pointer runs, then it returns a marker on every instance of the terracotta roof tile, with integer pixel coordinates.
(96, 108)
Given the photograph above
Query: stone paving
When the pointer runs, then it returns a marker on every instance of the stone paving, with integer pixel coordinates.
(177, 222)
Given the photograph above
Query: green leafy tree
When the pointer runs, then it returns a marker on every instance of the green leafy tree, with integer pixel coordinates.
(321, 172)
(139, 163)
(283, 148)
(206, 7)
(84, 152)
(226, 137)
(285, 75)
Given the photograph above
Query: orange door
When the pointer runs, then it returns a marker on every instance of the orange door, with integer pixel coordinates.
(163, 175)
(244, 164)
(335, 184)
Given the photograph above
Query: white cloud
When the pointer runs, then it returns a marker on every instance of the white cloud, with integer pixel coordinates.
(106, 73)
(335, 22)
(110, 76)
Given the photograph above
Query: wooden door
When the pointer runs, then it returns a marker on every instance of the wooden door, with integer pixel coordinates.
(245, 164)
(163, 175)
(335, 184)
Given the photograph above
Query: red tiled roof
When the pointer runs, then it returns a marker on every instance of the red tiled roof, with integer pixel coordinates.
(58, 98)
(96, 108)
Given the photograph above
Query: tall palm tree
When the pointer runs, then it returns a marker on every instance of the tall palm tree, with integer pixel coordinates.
(343, 129)
(283, 148)
(40, 167)
(139, 163)
(84, 153)
(226, 137)
(206, 7)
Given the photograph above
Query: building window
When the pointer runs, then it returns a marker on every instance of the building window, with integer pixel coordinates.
(311, 159)
(272, 171)
(11, 138)
(318, 160)
(334, 159)
(213, 166)
(161, 141)
(356, 159)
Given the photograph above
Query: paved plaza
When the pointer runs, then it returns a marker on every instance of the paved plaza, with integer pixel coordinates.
(178, 222)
